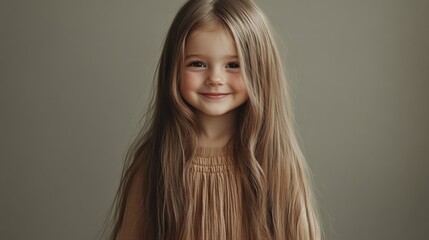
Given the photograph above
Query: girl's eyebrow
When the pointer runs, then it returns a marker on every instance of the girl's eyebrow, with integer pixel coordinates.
(193, 55)
(202, 56)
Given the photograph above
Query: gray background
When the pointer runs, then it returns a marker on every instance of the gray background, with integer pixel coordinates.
(75, 76)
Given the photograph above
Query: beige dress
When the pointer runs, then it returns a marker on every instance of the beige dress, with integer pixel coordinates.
(213, 199)
(212, 189)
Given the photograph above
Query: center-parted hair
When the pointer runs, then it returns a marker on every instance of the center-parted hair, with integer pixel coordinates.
(277, 188)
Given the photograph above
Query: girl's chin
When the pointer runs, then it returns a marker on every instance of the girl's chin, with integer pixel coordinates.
(213, 113)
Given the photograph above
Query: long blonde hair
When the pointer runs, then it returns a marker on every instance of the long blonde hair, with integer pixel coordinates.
(276, 180)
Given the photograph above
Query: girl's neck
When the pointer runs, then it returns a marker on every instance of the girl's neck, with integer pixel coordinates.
(215, 131)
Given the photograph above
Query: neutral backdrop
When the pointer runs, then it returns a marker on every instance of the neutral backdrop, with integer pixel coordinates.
(75, 78)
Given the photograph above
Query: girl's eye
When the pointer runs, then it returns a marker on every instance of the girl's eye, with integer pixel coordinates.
(197, 64)
(233, 65)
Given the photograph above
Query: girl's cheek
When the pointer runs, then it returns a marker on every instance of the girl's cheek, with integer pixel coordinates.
(189, 80)
(239, 83)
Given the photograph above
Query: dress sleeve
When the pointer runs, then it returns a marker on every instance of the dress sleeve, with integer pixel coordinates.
(131, 228)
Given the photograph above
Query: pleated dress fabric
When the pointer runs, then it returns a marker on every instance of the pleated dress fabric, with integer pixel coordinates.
(213, 208)
(213, 196)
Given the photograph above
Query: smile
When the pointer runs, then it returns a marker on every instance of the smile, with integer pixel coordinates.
(215, 95)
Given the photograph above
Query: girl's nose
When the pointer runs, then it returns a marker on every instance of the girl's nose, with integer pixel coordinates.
(215, 78)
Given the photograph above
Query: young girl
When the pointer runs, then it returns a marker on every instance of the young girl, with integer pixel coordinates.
(218, 157)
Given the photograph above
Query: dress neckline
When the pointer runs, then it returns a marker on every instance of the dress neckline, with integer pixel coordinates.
(223, 151)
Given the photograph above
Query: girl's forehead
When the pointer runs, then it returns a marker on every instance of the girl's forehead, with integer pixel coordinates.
(214, 33)
(210, 41)
(210, 27)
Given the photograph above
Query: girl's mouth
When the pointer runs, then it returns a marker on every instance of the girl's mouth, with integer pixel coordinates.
(215, 95)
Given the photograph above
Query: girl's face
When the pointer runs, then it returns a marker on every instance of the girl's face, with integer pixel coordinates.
(211, 80)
